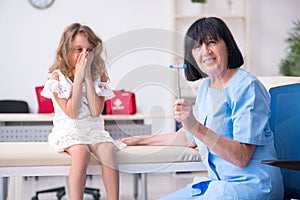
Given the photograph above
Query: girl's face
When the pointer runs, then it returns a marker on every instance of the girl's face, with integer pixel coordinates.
(211, 57)
(80, 45)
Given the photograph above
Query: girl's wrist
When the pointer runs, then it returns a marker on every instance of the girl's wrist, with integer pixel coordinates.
(88, 79)
(78, 79)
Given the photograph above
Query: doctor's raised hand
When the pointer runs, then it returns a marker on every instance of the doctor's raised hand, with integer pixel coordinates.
(183, 112)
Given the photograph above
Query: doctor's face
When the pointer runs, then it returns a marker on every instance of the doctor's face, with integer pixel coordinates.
(211, 57)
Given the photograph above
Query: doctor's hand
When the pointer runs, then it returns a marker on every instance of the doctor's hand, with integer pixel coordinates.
(129, 141)
(184, 114)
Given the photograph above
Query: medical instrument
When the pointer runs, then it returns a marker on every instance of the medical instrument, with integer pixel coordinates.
(178, 66)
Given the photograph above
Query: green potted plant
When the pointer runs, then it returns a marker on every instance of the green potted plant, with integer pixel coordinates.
(290, 66)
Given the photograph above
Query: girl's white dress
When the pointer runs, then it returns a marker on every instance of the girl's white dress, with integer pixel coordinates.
(85, 129)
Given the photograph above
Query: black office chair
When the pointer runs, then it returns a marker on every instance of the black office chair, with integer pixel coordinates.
(285, 124)
(13, 106)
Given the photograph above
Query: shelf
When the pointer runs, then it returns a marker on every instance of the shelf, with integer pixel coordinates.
(32, 117)
(194, 17)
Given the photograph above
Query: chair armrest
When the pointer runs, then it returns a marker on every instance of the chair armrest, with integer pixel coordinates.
(289, 164)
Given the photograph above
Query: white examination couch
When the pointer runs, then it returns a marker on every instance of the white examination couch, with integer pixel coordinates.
(19, 159)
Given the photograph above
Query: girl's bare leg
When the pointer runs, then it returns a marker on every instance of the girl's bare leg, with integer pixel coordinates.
(107, 154)
(77, 176)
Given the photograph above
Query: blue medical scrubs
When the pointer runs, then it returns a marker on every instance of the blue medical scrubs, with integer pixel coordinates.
(240, 112)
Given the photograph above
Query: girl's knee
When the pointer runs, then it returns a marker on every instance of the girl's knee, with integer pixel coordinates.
(109, 146)
(79, 151)
(104, 151)
(109, 150)
(102, 147)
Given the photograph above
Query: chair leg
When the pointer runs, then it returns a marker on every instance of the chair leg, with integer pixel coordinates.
(144, 186)
(135, 185)
(60, 192)
(93, 191)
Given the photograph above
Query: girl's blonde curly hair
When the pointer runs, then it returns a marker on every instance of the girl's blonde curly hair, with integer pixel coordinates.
(64, 51)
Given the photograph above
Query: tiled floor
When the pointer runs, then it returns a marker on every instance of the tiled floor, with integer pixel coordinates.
(158, 185)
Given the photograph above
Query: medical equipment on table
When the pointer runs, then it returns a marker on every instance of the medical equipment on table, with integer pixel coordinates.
(178, 67)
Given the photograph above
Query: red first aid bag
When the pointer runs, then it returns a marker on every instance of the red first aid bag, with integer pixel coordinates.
(123, 103)
(45, 105)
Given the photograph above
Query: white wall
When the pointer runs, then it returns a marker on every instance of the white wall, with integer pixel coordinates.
(29, 38)
(270, 20)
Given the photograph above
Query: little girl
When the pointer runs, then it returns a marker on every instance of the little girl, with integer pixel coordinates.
(78, 87)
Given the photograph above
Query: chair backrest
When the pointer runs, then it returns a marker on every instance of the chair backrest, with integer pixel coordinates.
(44, 104)
(285, 124)
(13, 106)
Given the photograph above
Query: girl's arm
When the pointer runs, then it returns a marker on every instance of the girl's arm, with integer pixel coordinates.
(71, 105)
(95, 102)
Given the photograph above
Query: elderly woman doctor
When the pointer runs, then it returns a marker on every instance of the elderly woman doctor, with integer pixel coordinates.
(229, 121)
